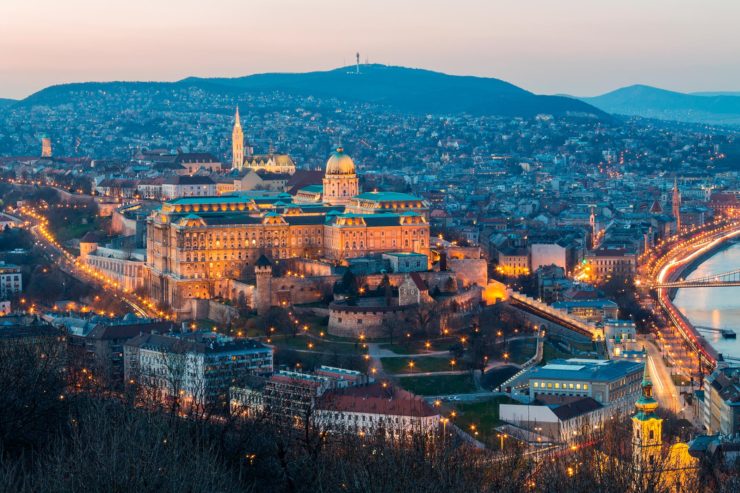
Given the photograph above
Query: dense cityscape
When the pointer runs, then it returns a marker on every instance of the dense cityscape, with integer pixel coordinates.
(208, 288)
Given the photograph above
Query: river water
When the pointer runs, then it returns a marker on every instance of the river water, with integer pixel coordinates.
(715, 307)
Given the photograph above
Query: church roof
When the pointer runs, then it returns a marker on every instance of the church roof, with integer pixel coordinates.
(195, 157)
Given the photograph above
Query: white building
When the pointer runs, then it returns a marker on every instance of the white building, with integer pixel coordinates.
(124, 268)
(11, 282)
(560, 423)
(198, 367)
(722, 401)
(188, 186)
(376, 408)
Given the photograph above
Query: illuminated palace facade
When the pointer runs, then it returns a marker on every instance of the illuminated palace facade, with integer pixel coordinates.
(197, 245)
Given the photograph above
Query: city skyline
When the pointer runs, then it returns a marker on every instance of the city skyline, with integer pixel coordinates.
(570, 47)
(289, 246)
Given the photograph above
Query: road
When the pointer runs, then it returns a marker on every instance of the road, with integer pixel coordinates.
(67, 263)
(668, 267)
(665, 390)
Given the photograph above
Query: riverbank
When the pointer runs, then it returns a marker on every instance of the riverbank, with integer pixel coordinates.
(714, 307)
(685, 271)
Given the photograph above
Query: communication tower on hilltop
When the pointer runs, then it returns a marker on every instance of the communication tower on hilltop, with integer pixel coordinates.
(45, 146)
(357, 63)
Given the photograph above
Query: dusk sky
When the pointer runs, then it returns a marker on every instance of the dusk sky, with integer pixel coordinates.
(582, 47)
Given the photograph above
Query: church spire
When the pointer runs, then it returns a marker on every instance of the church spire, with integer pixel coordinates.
(237, 143)
(676, 204)
(646, 404)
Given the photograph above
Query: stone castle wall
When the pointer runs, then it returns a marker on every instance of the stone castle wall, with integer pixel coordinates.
(371, 322)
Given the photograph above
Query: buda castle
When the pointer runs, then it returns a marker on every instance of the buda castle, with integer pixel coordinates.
(196, 245)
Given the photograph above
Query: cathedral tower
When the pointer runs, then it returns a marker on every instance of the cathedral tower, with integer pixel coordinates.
(676, 203)
(647, 428)
(237, 143)
(340, 181)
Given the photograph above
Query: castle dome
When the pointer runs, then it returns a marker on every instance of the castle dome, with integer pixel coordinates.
(340, 163)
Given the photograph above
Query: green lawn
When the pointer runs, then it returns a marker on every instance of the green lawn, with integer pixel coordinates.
(438, 385)
(318, 345)
(417, 346)
(414, 347)
(421, 364)
(484, 416)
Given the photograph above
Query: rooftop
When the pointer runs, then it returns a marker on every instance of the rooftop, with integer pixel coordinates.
(376, 399)
(586, 369)
(387, 196)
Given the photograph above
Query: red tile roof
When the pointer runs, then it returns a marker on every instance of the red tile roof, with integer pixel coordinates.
(375, 399)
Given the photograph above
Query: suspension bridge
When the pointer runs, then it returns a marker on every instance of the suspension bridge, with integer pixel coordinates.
(723, 280)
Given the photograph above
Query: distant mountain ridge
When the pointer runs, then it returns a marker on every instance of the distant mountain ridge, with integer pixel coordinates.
(6, 102)
(400, 88)
(716, 93)
(652, 102)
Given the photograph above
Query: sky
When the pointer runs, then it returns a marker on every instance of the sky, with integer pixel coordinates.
(580, 47)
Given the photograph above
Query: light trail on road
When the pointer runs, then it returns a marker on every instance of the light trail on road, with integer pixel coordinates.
(679, 257)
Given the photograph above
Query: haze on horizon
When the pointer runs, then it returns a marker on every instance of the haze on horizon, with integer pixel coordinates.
(580, 47)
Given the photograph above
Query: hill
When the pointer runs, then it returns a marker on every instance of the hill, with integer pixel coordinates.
(716, 93)
(4, 102)
(652, 102)
(399, 88)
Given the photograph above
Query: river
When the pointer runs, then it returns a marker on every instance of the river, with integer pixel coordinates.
(715, 307)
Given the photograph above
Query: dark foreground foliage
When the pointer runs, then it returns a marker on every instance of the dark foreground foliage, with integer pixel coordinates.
(52, 440)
